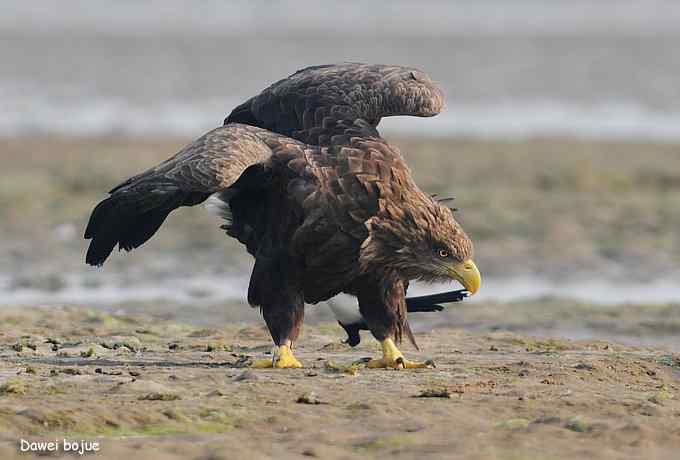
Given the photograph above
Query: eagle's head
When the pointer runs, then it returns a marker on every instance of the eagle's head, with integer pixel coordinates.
(420, 241)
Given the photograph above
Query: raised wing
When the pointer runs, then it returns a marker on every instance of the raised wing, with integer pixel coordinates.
(136, 208)
(316, 103)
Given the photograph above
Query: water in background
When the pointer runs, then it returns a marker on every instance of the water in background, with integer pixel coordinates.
(528, 67)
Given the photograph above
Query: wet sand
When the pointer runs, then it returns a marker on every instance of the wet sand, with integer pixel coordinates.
(147, 388)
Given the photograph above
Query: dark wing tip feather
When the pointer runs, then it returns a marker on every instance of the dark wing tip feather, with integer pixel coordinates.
(101, 231)
(114, 222)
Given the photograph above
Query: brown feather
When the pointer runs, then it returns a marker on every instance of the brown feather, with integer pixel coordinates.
(322, 202)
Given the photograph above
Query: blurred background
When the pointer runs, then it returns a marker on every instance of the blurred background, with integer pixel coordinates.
(560, 142)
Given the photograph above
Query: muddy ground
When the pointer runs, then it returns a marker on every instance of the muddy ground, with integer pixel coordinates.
(148, 388)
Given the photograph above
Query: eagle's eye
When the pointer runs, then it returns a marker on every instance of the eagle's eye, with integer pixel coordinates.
(443, 253)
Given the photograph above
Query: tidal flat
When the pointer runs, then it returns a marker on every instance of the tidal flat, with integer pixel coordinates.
(148, 388)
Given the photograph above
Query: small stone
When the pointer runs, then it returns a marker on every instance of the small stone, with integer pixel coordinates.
(118, 342)
(71, 371)
(309, 398)
(434, 393)
(584, 366)
(99, 370)
(578, 424)
(160, 397)
(89, 353)
(217, 346)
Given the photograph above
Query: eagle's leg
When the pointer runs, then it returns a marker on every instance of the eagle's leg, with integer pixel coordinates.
(383, 306)
(282, 358)
(393, 358)
(284, 319)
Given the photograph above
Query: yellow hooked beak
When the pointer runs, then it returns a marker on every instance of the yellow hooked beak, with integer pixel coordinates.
(467, 274)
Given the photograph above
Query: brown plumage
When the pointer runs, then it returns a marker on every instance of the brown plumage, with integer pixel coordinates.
(317, 103)
(322, 202)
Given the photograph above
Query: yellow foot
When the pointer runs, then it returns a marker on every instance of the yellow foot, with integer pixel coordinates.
(393, 358)
(282, 359)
